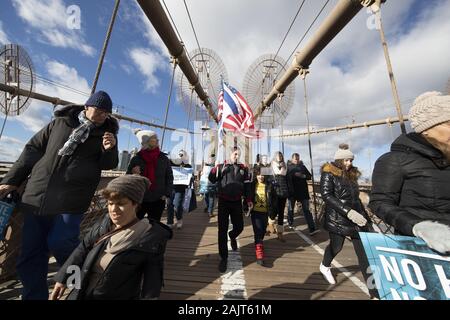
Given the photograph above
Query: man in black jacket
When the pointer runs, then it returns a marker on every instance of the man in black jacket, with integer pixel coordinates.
(233, 184)
(64, 162)
(410, 184)
(297, 177)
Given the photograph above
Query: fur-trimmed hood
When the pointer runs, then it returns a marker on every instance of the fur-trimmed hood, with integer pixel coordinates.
(70, 114)
(328, 167)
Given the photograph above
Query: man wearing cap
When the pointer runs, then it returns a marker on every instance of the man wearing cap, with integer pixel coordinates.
(63, 164)
(410, 184)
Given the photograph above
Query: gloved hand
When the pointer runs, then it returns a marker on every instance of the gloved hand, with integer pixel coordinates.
(435, 234)
(357, 218)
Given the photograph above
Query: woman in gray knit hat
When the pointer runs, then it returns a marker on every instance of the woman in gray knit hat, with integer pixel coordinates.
(345, 214)
(121, 257)
(410, 184)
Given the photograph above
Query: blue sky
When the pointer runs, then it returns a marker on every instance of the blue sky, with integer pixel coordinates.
(126, 90)
(348, 80)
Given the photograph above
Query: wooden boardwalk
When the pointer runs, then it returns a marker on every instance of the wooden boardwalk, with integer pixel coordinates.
(291, 270)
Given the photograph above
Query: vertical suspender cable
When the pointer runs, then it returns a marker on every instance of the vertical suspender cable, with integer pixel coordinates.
(189, 119)
(175, 62)
(309, 146)
(391, 73)
(105, 46)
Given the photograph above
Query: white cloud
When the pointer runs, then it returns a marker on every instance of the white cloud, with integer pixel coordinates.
(10, 148)
(3, 36)
(63, 73)
(348, 80)
(148, 62)
(39, 113)
(151, 58)
(128, 69)
(50, 18)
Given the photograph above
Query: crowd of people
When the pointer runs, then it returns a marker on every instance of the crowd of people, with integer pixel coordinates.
(122, 255)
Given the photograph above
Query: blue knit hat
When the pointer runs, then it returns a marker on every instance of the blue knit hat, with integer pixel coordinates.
(100, 100)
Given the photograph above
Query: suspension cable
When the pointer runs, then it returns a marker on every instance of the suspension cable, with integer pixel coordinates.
(309, 146)
(105, 46)
(199, 48)
(287, 32)
(175, 63)
(307, 31)
(189, 117)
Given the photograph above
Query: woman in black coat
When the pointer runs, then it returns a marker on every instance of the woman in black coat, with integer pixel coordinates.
(410, 184)
(122, 257)
(345, 215)
(153, 164)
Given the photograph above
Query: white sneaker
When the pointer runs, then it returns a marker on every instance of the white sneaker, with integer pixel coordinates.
(179, 224)
(327, 274)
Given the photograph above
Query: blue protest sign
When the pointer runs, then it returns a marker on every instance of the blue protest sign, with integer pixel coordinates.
(182, 176)
(405, 268)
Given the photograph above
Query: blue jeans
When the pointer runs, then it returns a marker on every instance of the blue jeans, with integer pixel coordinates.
(306, 213)
(42, 236)
(209, 201)
(175, 204)
(259, 223)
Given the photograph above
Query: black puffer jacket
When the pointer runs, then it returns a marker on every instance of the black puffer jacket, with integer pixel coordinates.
(135, 273)
(410, 184)
(62, 184)
(163, 176)
(340, 195)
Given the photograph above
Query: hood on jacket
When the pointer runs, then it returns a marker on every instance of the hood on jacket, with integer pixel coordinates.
(353, 174)
(70, 114)
(415, 142)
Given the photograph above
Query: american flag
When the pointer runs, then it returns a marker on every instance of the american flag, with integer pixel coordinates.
(234, 113)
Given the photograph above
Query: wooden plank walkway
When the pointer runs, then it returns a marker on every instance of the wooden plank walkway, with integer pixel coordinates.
(291, 272)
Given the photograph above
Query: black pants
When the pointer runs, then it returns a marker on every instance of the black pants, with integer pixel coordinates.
(335, 246)
(153, 210)
(281, 204)
(228, 209)
(259, 223)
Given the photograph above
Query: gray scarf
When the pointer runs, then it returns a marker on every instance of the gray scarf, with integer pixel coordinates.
(78, 136)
